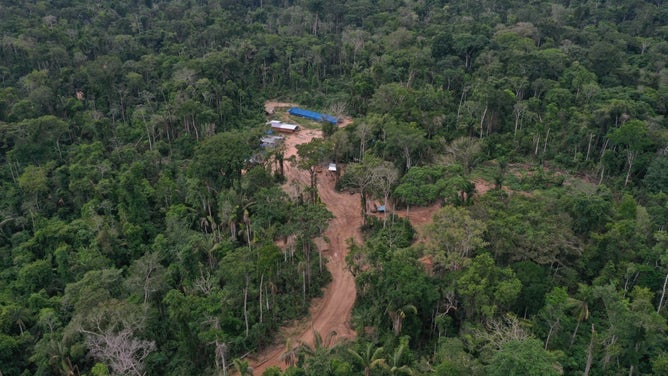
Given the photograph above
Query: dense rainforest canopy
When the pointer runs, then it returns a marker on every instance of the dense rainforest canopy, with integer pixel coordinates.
(139, 230)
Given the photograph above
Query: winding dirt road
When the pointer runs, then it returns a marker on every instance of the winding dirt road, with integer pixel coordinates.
(331, 313)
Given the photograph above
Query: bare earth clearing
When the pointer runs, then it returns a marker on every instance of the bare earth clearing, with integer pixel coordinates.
(270, 106)
(330, 313)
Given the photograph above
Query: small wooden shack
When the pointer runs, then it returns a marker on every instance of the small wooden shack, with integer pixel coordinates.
(270, 141)
(280, 126)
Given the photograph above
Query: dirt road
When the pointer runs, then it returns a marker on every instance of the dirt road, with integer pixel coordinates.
(330, 313)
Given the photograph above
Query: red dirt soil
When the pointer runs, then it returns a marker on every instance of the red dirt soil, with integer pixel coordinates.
(271, 106)
(331, 312)
(482, 186)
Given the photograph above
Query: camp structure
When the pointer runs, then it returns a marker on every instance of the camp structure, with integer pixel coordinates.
(378, 208)
(279, 126)
(270, 141)
(331, 167)
(311, 115)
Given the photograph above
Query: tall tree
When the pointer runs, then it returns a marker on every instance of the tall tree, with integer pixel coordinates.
(525, 357)
(308, 222)
(369, 359)
(384, 177)
(453, 236)
(633, 137)
(219, 159)
(112, 335)
(420, 185)
(360, 176)
(486, 289)
(312, 155)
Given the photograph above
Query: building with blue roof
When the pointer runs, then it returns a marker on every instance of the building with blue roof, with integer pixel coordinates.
(312, 115)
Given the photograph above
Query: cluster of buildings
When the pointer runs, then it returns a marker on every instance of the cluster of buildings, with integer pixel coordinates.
(279, 126)
(272, 139)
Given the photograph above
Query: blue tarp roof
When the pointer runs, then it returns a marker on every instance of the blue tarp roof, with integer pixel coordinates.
(312, 115)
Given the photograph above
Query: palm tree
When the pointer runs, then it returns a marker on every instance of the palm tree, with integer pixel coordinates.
(67, 368)
(319, 345)
(290, 354)
(242, 368)
(394, 365)
(19, 316)
(369, 359)
(398, 315)
(580, 307)
(319, 355)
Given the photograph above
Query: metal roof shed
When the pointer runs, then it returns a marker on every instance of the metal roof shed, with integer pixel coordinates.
(270, 141)
(283, 127)
(312, 115)
(286, 127)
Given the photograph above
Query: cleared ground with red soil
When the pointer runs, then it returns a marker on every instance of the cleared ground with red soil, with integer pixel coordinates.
(330, 313)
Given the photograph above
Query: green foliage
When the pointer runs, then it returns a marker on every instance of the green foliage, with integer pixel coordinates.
(218, 160)
(525, 357)
(294, 371)
(127, 128)
(453, 237)
(99, 369)
(34, 140)
(486, 289)
(635, 328)
(590, 212)
(395, 232)
(453, 359)
(529, 228)
(369, 358)
(655, 179)
(535, 284)
(396, 295)
(421, 186)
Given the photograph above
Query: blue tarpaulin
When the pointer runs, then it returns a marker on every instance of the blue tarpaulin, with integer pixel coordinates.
(312, 115)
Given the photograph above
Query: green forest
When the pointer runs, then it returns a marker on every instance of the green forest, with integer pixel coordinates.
(144, 231)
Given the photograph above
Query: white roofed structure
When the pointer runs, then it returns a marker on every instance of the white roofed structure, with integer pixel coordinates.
(279, 126)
